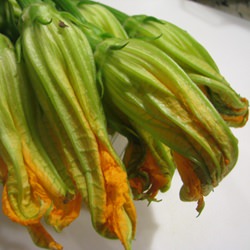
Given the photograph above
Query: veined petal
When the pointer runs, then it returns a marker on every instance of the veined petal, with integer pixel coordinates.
(18, 193)
(102, 18)
(195, 61)
(42, 238)
(149, 165)
(63, 76)
(192, 189)
(148, 161)
(41, 203)
(63, 212)
(119, 212)
(154, 92)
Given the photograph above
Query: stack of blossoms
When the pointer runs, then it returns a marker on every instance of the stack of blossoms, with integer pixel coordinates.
(73, 73)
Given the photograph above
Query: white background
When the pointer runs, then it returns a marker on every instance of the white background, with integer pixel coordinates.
(172, 224)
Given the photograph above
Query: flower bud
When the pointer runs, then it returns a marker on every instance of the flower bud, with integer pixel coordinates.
(156, 94)
(61, 67)
(195, 61)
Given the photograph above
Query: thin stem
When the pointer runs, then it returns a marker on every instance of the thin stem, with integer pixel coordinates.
(25, 3)
(93, 33)
(70, 6)
(121, 16)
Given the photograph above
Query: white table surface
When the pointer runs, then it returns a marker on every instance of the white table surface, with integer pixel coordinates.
(172, 224)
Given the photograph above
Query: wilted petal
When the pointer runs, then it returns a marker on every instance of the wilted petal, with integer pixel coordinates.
(42, 238)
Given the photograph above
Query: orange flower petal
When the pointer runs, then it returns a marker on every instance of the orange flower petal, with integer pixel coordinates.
(40, 200)
(157, 178)
(42, 238)
(192, 189)
(64, 212)
(120, 207)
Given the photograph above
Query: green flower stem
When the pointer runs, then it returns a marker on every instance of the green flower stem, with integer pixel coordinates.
(121, 16)
(71, 7)
(25, 3)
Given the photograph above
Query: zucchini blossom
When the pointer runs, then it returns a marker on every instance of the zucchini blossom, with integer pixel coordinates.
(156, 94)
(62, 71)
(195, 61)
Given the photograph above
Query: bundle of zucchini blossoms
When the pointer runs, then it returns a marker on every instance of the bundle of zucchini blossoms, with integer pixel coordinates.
(72, 74)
